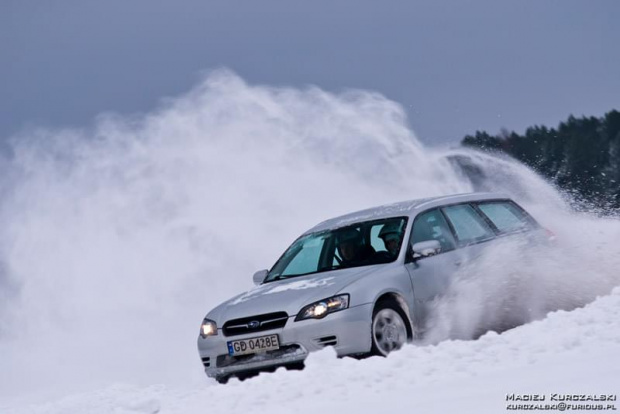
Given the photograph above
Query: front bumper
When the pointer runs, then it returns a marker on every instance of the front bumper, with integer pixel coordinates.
(348, 331)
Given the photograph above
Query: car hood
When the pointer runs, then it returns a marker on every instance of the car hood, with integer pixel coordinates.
(288, 295)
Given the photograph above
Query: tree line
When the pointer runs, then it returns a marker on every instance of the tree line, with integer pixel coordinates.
(581, 156)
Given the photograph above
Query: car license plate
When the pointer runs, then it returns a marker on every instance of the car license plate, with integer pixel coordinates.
(253, 345)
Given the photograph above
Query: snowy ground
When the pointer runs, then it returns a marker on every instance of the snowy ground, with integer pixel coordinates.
(574, 352)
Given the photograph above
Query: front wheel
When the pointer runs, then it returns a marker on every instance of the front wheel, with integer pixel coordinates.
(389, 331)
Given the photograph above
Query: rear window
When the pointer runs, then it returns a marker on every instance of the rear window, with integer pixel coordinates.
(468, 225)
(506, 216)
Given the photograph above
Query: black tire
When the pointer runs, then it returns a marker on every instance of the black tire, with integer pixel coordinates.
(223, 379)
(389, 328)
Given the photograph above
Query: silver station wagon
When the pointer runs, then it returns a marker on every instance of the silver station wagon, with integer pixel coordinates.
(360, 283)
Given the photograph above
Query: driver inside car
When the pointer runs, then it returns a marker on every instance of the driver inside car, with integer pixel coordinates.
(350, 247)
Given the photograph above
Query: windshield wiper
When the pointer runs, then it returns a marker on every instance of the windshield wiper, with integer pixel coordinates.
(281, 277)
(278, 277)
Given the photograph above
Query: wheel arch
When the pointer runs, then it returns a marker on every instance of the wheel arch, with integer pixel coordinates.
(399, 300)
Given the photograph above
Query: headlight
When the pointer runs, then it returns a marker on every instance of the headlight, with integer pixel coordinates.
(208, 328)
(324, 307)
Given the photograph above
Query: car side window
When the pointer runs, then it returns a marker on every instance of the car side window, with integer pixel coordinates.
(506, 216)
(433, 226)
(468, 225)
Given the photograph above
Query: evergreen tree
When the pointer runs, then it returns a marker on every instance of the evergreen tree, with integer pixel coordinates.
(582, 156)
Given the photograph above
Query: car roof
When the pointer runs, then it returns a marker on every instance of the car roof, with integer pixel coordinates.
(402, 208)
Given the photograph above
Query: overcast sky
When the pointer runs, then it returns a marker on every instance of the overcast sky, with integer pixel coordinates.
(456, 66)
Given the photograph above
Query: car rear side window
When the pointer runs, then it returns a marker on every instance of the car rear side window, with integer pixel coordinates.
(468, 225)
(433, 226)
(506, 216)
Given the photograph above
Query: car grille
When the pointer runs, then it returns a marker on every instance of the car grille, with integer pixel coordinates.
(256, 323)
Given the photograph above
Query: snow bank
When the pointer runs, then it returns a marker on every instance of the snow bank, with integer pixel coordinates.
(568, 352)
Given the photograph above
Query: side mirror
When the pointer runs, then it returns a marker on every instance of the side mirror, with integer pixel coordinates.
(425, 249)
(260, 276)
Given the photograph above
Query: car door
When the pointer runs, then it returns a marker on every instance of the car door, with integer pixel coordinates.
(462, 233)
(430, 276)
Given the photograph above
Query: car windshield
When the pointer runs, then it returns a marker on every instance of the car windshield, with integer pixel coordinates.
(360, 244)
